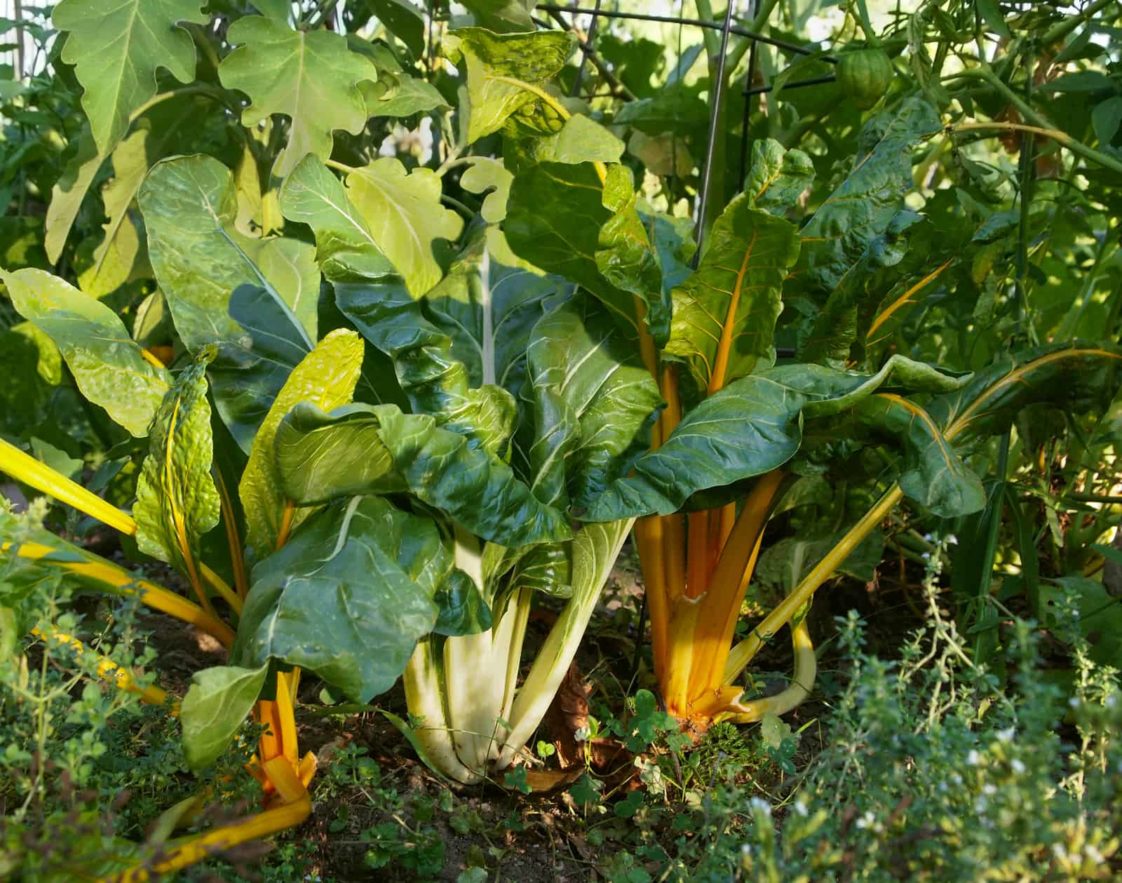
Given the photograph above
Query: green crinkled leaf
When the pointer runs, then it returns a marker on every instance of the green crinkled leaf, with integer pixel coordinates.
(348, 596)
(200, 258)
(835, 328)
(555, 215)
(748, 428)
(327, 378)
(116, 47)
(777, 177)
(592, 404)
(176, 499)
(829, 391)
(312, 77)
(440, 467)
(345, 247)
(862, 207)
(106, 362)
(933, 474)
(751, 426)
(463, 609)
(453, 349)
(216, 705)
(506, 73)
(403, 213)
(724, 314)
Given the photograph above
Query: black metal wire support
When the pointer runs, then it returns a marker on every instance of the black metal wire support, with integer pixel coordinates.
(745, 119)
(717, 94)
(586, 47)
(694, 22)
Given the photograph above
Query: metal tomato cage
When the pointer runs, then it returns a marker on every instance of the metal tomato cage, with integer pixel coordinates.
(726, 27)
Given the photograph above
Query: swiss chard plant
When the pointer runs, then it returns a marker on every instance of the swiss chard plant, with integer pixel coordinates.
(373, 393)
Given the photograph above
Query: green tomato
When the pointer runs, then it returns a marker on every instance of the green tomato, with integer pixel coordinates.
(864, 75)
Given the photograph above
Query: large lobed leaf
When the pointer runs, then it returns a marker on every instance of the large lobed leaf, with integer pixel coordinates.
(312, 77)
(106, 362)
(116, 47)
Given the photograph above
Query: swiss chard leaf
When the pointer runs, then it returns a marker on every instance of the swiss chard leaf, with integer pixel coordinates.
(327, 377)
(316, 454)
(724, 315)
(507, 74)
(176, 499)
(347, 598)
(106, 362)
(216, 705)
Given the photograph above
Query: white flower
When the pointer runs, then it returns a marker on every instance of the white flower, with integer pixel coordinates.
(952, 540)
(973, 758)
(800, 808)
(867, 820)
(745, 849)
(1006, 735)
(761, 806)
(582, 734)
(1018, 767)
(989, 790)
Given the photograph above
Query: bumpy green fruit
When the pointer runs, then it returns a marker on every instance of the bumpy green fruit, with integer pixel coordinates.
(864, 75)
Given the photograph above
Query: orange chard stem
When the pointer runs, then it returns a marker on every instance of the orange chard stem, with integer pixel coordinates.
(233, 537)
(285, 529)
(720, 611)
(697, 555)
(648, 533)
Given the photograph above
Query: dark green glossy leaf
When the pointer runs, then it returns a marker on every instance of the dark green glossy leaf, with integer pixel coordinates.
(246, 378)
(1076, 377)
(347, 598)
(440, 467)
(463, 609)
(933, 474)
(592, 404)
